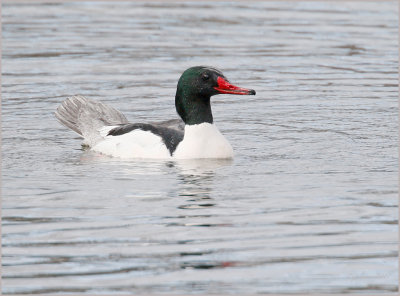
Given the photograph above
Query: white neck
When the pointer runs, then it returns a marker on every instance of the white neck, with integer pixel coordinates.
(203, 141)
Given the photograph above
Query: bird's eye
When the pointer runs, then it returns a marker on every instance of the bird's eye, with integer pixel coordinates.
(205, 77)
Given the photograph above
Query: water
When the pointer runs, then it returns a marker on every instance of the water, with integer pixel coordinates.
(309, 204)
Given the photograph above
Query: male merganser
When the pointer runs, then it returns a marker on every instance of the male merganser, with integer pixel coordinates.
(107, 130)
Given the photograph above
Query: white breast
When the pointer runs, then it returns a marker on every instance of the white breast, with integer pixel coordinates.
(203, 141)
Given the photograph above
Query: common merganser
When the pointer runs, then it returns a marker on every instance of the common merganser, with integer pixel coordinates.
(107, 130)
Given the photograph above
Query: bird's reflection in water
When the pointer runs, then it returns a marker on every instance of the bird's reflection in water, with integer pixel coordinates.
(127, 168)
(196, 178)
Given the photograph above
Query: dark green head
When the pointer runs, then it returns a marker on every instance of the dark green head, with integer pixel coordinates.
(195, 87)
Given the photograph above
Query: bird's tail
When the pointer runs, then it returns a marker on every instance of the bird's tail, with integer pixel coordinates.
(87, 117)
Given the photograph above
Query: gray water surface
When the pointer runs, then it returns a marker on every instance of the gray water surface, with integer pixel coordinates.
(309, 203)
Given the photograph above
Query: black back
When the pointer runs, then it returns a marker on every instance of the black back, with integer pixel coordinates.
(170, 136)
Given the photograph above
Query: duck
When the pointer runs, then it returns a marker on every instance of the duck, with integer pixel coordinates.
(192, 136)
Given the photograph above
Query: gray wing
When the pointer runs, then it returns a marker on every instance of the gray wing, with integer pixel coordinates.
(75, 110)
(87, 117)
